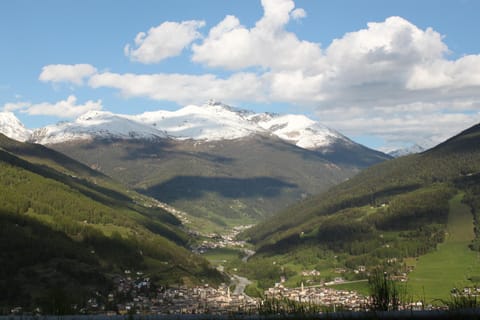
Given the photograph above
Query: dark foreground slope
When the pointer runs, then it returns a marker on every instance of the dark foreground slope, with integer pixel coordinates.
(65, 230)
(225, 181)
(388, 212)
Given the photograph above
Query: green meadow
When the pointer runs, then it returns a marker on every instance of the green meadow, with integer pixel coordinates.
(452, 264)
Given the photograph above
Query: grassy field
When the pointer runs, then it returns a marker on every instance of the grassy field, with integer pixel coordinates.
(228, 258)
(452, 263)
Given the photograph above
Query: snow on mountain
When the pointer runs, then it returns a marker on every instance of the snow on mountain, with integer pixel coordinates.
(406, 151)
(12, 127)
(300, 130)
(216, 121)
(212, 121)
(96, 124)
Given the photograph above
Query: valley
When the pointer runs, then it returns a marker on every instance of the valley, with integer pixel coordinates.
(260, 160)
(251, 216)
(223, 166)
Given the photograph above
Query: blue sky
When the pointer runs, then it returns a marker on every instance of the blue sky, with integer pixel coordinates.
(384, 73)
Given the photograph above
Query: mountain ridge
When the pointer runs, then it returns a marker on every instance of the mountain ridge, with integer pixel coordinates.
(212, 121)
(13, 128)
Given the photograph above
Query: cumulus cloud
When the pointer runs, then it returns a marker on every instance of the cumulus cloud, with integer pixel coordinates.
(183, 88)
(62, 109)
(73, 73)
(393, 80)
(390, 79)
(164, 41)
(446, 74)
(233, 46)
(376, 63)
(401, 125)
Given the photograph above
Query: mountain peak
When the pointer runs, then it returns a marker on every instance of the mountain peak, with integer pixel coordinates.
(94, 114)
(12, 127)
(301, 130)
(213, 102)
(211, 121)
(220, 106)
(96, 124)
(415, 148)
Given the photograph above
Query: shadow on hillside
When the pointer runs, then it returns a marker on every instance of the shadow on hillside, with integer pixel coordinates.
(341, 153)
(155, 149)
(194, 187)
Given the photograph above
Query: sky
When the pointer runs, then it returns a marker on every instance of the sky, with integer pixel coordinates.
(387, 74)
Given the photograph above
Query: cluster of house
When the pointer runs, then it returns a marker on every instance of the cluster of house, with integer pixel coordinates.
(325, 296)
(467, 291)
(203, 300)
(134, 294)
(310, 273)
(227, 240)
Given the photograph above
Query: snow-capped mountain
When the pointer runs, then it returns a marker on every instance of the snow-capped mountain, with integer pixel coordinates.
(212, 121)
(96, 124)
(298, 129)
(406, 151)
(13, 128)
(213, 159)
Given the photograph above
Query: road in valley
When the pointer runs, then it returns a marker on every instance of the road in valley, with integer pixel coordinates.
(240, 284)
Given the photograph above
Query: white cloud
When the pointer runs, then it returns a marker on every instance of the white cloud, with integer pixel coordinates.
(12, 106)
(400, 125)
(391, 79)
(298, 13)
(446, 74)
(232, 46)
(62, 109)
(374, 64)
(183, 88)
(164, 41)
(75, 73)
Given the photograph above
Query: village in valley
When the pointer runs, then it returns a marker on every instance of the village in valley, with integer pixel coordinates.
(135, 293)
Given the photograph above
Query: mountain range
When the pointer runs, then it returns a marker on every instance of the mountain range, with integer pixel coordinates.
(213, 121)
(220, 164)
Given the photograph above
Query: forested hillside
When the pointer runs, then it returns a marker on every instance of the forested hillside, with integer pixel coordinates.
(388, 212)
(66, 228)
